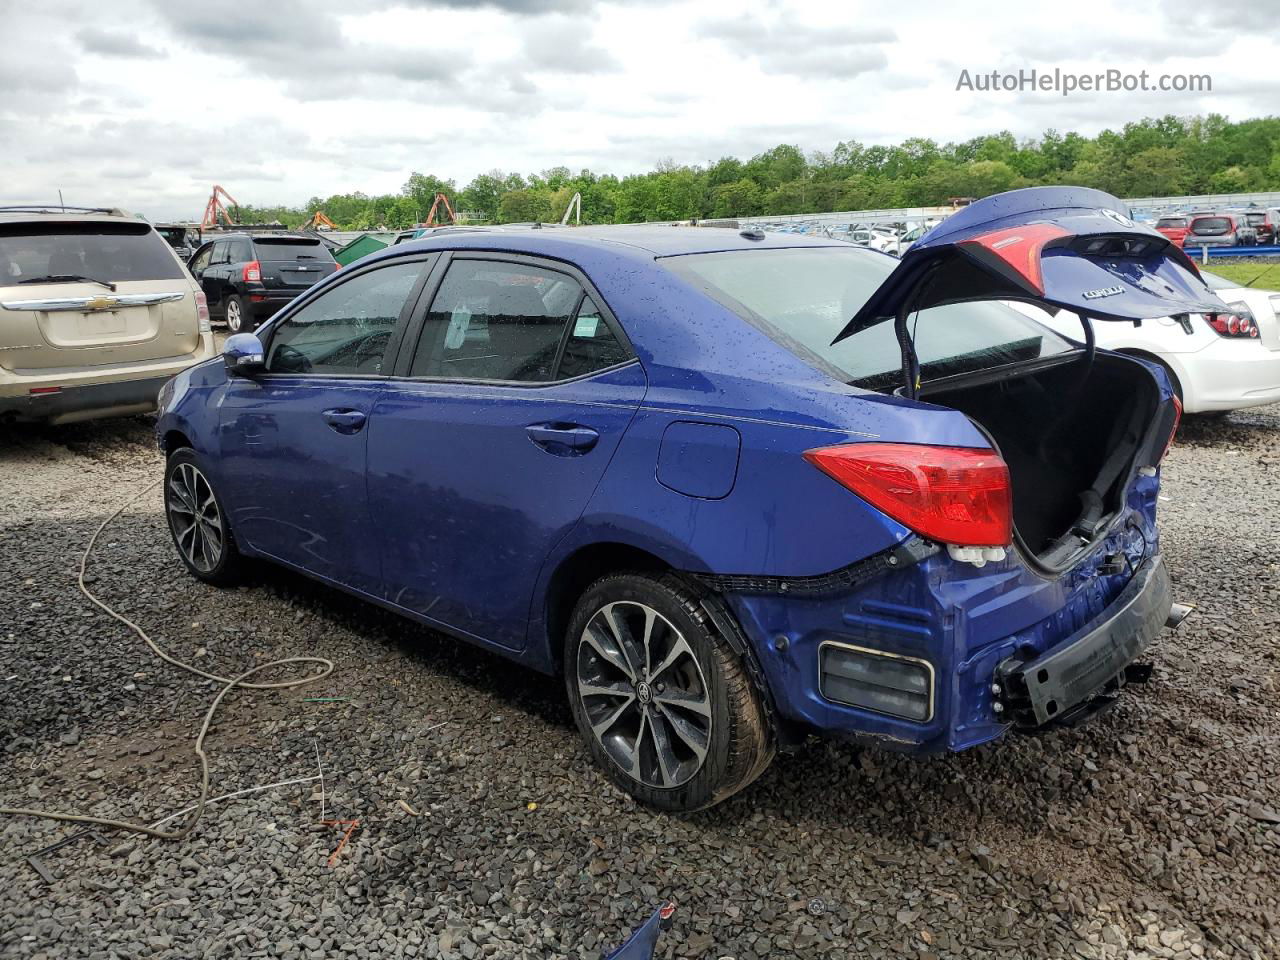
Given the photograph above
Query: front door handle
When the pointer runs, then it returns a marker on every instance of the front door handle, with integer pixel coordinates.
(563, 439)
(344, 420)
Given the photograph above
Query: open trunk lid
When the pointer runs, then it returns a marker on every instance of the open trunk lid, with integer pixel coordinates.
(1062, 247)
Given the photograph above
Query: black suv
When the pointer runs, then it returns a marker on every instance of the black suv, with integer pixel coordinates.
(248, 277)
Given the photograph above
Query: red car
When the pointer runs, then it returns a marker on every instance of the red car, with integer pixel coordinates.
(1175, 228)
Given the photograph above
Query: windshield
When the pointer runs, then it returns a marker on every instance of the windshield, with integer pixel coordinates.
(111, 252)
(804, 297)
(290, 248)
(1171, 222)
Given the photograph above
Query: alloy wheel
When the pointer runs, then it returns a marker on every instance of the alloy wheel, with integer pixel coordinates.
(644, 694)
(233, 316)
(194, 517)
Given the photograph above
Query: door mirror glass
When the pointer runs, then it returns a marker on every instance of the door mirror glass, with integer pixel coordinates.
(243, 355)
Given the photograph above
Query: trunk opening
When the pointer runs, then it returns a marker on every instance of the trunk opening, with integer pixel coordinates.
(1070, 434)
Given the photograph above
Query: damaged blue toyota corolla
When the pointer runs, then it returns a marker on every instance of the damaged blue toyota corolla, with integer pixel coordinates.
(737, 488)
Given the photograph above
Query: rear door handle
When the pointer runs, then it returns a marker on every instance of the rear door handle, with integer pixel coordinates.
(344, 420)
(563, 439)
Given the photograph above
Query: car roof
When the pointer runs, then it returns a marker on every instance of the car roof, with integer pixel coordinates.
(39, 213)
(640, 240)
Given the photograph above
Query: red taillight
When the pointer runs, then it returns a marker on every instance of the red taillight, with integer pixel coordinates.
(202, 306)
(252, 272)
(957, 495)
(1231, 325)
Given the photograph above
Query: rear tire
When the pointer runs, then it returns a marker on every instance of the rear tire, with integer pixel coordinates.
(665, 706)
(198, 522)
(238, 318)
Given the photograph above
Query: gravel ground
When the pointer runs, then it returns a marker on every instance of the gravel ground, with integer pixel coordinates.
(484, 831)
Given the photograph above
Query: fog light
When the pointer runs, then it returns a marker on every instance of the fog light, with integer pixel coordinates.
(873, 680)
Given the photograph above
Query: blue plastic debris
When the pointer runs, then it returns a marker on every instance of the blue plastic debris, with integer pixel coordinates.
(641, 944)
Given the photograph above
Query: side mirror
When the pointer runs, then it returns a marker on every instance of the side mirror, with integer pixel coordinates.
(243, 355)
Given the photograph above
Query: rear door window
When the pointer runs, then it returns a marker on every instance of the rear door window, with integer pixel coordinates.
(347, 330)
(115, 252)
(290, 248)
(492, 320)
(591, 344)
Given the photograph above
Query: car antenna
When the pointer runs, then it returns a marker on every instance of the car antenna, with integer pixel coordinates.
(62, 203)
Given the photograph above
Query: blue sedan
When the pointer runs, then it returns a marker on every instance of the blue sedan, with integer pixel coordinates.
(736, 488)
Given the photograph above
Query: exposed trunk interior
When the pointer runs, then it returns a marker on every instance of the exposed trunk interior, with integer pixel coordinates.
(1069, 434)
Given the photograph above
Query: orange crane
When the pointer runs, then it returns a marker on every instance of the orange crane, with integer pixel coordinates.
(318, 220)
(431, 214)
(215, 208)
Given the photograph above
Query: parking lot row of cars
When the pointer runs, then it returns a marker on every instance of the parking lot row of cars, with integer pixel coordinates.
(1222, 228)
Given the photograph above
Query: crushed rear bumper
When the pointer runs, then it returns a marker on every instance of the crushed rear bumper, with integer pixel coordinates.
(1067, 681)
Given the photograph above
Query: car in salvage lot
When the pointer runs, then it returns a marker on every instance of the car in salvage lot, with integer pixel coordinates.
(1219, 230)
(735, 487)
(246, 277)
(1173, 227)
(97, 312)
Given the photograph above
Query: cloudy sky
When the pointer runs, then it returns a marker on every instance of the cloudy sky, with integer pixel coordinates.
(147, 103)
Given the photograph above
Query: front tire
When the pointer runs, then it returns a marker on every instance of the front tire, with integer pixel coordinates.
(198, 522)
(665, 706)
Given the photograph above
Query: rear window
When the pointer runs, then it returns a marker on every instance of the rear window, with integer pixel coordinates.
(804, 297)
(1210, 225)
(291, 248)
(114, 252)
(1171, 222)
(1256, 217)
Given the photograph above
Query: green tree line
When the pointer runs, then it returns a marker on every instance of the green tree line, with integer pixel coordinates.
(1151, 157)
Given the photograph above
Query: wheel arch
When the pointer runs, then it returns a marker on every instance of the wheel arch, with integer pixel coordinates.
(175, 440)
(575, 573)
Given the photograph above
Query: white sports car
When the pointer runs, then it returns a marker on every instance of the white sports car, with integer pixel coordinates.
(1215, 362)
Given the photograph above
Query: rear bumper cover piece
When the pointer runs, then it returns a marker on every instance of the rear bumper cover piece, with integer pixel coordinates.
(1065, 678)
(83, 402)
